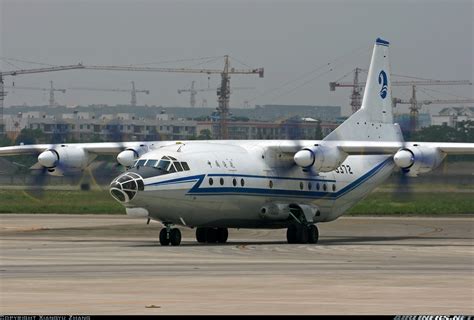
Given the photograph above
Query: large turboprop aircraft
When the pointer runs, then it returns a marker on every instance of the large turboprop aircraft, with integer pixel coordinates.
(216, 185)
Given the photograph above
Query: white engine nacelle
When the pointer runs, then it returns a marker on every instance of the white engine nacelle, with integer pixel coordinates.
(67, 157)
(322, 158)
(127, 157)
(416, 160)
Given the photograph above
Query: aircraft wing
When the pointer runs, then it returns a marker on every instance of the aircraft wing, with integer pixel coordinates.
(372, 147)
(367, 147)
(106, 148)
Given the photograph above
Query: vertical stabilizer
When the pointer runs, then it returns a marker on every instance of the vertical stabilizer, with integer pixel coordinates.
(377, 100)
(374, 120)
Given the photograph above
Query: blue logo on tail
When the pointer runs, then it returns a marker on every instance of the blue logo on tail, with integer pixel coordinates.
(383, 81)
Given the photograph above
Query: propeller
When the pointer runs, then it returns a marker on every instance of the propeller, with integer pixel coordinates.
(303, 158)
(115, 132)
(403, 159)
(48, 163)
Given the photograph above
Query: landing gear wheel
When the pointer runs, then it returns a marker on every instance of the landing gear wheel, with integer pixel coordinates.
(313, 234)
(222, 235)
(175, 237)
(302, 235)
(291, 234)
(164, 239)
(201, 235)
(211, 235)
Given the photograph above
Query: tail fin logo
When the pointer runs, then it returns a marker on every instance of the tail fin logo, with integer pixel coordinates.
(383, 81)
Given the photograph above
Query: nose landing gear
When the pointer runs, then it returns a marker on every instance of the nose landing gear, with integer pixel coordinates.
(169, 236)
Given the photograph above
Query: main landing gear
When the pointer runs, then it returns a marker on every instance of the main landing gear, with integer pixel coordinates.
(169, 236)
(299, 233)
(212, 235)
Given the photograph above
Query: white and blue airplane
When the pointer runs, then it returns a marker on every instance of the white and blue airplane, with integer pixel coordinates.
(216, 185)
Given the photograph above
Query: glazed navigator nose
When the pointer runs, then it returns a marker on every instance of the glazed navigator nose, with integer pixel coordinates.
(125, 187)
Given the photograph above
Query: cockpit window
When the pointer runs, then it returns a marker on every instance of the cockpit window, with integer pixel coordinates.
(163, 165)
(171, 169)
(178, 166)
(151, 163)
(166, 165)
(140, 162)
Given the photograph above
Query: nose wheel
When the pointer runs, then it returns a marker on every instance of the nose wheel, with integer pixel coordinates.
(169, 236)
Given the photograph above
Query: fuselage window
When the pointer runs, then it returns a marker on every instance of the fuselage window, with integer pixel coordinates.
(325, 187)
(309, 186)
(211, 181)
(185, 166)
(221, 181)
(242, 182)
(151, 163)
(178, 166)
(141, 162)
(234, 182)
(270, 184)
(301, 185)
(333, 187)
(317, 186)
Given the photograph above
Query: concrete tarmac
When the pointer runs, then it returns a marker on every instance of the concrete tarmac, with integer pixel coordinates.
(89, 264)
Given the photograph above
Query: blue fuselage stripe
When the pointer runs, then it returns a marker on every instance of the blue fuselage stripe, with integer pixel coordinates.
(210, 191)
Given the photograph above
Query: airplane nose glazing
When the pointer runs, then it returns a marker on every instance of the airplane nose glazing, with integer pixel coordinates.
(125, 187)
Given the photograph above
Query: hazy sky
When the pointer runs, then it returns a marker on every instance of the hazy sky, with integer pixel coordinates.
(429, 39)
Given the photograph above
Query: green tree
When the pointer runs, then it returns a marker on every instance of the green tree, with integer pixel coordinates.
(464, 132)
(5, 141)
(30, 136)
(204, 134)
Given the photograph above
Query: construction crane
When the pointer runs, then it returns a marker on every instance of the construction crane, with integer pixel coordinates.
(51, 90)
(193, 92)
(357, 86)
(27, 71)
(223, 92)
(133, 92)
(415, 105)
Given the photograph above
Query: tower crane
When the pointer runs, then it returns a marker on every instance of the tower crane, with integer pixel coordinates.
(415, 105)
(133, 91)
(51, 90)
(193, 92)
(223, 92)
(357, 86)
(27, 71)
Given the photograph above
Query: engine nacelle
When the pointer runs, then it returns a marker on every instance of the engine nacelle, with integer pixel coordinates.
(127, 157)
(322, 158)
(64, 157)
(415, 160)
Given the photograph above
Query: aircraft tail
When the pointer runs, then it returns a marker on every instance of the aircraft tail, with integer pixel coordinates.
(374, 120)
